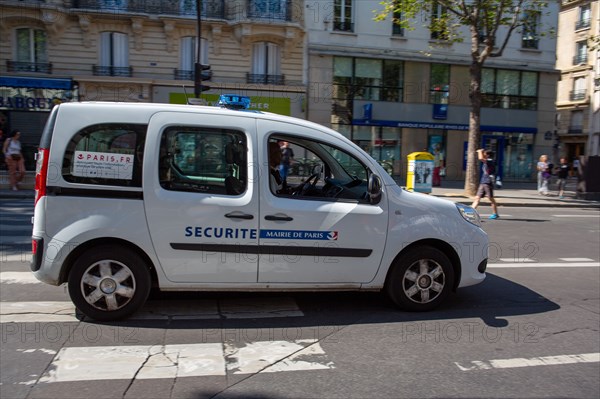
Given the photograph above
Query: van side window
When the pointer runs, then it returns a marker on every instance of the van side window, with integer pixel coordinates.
(318, 171)
(203, 160)
(106, 154)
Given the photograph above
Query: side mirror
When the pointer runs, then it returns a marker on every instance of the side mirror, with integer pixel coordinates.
(374, 189)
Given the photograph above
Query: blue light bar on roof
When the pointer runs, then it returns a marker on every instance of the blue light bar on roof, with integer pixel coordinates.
(233, 101)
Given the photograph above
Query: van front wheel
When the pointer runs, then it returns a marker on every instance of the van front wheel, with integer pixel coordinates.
(109, 283)
(420, 279)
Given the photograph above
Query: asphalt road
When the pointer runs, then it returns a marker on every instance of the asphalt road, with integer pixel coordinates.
(530, 330)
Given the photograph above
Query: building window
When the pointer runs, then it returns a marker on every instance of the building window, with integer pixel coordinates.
(584, 17)
(393, 81)
(342, 16)
(439, 89)
(439, 22)
(509, 89)
(271, 9)
(579, 89)
(188, 7)
(397, 30)
(114, 55)
(113, 4)
(266, 59)
(576, 125)
(187, 57)
(581, 53)
(367, 79)
(210, 8)
(31, 52)
(531, 23)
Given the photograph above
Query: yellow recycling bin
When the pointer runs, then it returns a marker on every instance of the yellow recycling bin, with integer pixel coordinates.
(420, 172)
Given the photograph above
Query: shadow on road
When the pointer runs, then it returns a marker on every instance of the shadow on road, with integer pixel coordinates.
(491, 302)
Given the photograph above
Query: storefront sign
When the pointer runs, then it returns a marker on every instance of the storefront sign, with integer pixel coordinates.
(27, 103)
(276, 105)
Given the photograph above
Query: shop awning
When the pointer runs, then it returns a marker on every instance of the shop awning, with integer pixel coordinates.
(36, 83)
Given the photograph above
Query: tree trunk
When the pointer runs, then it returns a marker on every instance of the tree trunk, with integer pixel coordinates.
(472, 174)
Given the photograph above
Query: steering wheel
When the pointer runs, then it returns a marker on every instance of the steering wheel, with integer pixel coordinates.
(307, 185)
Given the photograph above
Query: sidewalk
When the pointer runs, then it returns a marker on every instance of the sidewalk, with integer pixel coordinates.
(518, 194)
(512, 194)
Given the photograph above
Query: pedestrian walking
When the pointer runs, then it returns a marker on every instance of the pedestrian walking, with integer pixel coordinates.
(287, 155)
(562, 174)
(486, 184)
(438, 165)
(2, 162)
(14, 159)
(543, 175)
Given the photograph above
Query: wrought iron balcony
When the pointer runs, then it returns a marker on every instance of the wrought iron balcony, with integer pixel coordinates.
(182, 74)
(265, 79)
(112, 71)
(343, 26)
(274, 9)
(583, 23)
(210, 8)
(38, 67)
(580, 59)
(530, 43)
(575, 129)
(577, 95)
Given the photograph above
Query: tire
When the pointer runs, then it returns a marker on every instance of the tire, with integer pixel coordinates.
(421, 279)
(109, 283)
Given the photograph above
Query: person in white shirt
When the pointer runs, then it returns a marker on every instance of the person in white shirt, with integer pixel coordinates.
(14, 159)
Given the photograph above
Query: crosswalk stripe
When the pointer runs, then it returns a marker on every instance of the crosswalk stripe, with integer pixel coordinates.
(576, 259)
(542, 264)
(24, 257)
(16, 228)
(5, 210)
(18, 278)
(577, 216)
(42, 312)
(530, 362)
(238, 308)
(184, 360)
(12, 240)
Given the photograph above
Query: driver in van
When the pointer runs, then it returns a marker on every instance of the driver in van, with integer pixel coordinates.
(275, 179)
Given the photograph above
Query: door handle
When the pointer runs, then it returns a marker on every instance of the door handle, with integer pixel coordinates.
(232, 215)
(279, 218)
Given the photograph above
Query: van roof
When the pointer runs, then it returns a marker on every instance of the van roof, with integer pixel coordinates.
(151, 108)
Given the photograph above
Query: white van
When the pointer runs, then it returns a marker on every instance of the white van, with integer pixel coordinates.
(179, 197)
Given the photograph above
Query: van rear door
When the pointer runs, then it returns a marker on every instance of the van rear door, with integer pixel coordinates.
(200, 196)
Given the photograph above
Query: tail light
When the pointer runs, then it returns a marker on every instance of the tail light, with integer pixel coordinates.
(41, 173)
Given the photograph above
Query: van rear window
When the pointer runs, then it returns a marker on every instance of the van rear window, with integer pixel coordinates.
(106, 154)
(203, 160)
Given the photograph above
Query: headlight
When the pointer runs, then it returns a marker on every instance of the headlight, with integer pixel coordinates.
(469, 214)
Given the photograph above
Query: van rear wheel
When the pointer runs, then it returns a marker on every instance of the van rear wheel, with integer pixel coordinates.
(109, 283)
(420, 279)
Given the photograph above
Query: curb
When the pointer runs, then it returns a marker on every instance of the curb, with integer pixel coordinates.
(532, 204)
(28, 194)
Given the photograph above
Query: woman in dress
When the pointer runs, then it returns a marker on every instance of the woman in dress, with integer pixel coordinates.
(14, 159)
(543, 175)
